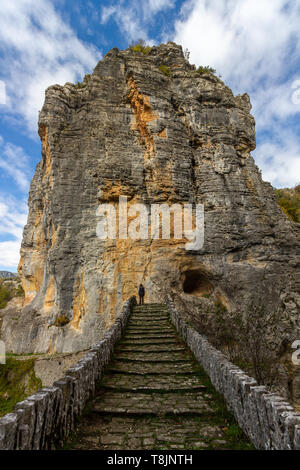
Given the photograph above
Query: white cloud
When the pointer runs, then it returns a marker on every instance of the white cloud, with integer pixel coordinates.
(13, 216)
(10, 254)
(2, 92)
(16, 164)
(246, 40)
(133, 17)
(13, 212)
(39, 50)
(254, 44)
(279, 159)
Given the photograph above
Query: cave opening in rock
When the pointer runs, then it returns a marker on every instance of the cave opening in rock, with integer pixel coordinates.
(196, 282)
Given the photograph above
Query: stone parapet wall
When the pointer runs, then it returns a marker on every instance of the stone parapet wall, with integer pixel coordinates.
(270, 422)
(45, 419)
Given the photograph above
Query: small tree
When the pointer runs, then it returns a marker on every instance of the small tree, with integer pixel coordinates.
(186, 54)
(207, 69)
(243, 336)
(140, 46)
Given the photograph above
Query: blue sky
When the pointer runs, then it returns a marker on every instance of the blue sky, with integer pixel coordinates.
(253, 44)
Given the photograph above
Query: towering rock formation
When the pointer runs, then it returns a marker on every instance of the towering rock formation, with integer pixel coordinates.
(155, 135)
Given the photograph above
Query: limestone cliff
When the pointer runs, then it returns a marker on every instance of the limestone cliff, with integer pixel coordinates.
(153, 134)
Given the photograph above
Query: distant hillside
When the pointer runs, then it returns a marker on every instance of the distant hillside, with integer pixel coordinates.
(289, 201)
(9, 288)
(7, 274)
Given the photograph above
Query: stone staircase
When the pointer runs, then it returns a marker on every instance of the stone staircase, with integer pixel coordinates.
(153, 394)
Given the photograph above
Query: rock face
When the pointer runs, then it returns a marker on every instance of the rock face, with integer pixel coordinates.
(155, 135)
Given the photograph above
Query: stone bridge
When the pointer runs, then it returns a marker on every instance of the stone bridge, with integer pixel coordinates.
(147, 389)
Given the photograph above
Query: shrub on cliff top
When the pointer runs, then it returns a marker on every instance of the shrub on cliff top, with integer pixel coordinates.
(140, 46)
(207, 69)
(289, 201)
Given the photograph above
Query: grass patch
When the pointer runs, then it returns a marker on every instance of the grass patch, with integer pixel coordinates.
(17, 381)
(165, 70)
(236, 438)
(207, 296)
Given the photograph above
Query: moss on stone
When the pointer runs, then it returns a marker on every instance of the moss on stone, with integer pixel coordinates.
(17, 381)
(165, 70)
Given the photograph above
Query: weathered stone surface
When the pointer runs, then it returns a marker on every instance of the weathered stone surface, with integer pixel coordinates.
(150, 405)
(144, 389)
(130, 130)
(9, 432)
(269, 421)
(45, 419)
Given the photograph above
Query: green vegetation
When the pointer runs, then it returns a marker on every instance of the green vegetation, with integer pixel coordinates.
(62, 320)
(8, 290)
(289, 201)
(243, 338)
(236, 438)
(5, 296)
(206, 295)
(79, 85)
(166, 70)
(207, 69)
(17, 381)
(140, 46)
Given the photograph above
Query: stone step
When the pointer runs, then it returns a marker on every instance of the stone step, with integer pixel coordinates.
(150, 348)
(148, 326)
(141, 309)
(150, 314)
(137, 316)
(149, 322)
(152, 383)
(151, 396)
(151, 368)
(151, 403)
(152, 356)
(147, 306)
(148, 433)
(150, 335)
(164, 329)
(149, 318)
(162, 340)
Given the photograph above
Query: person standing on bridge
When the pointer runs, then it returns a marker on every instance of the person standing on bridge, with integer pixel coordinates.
(141, 294)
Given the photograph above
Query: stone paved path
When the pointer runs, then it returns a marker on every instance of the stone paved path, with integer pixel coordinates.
(154, 395)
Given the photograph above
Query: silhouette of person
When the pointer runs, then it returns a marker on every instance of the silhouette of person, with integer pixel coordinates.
(141, 294)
